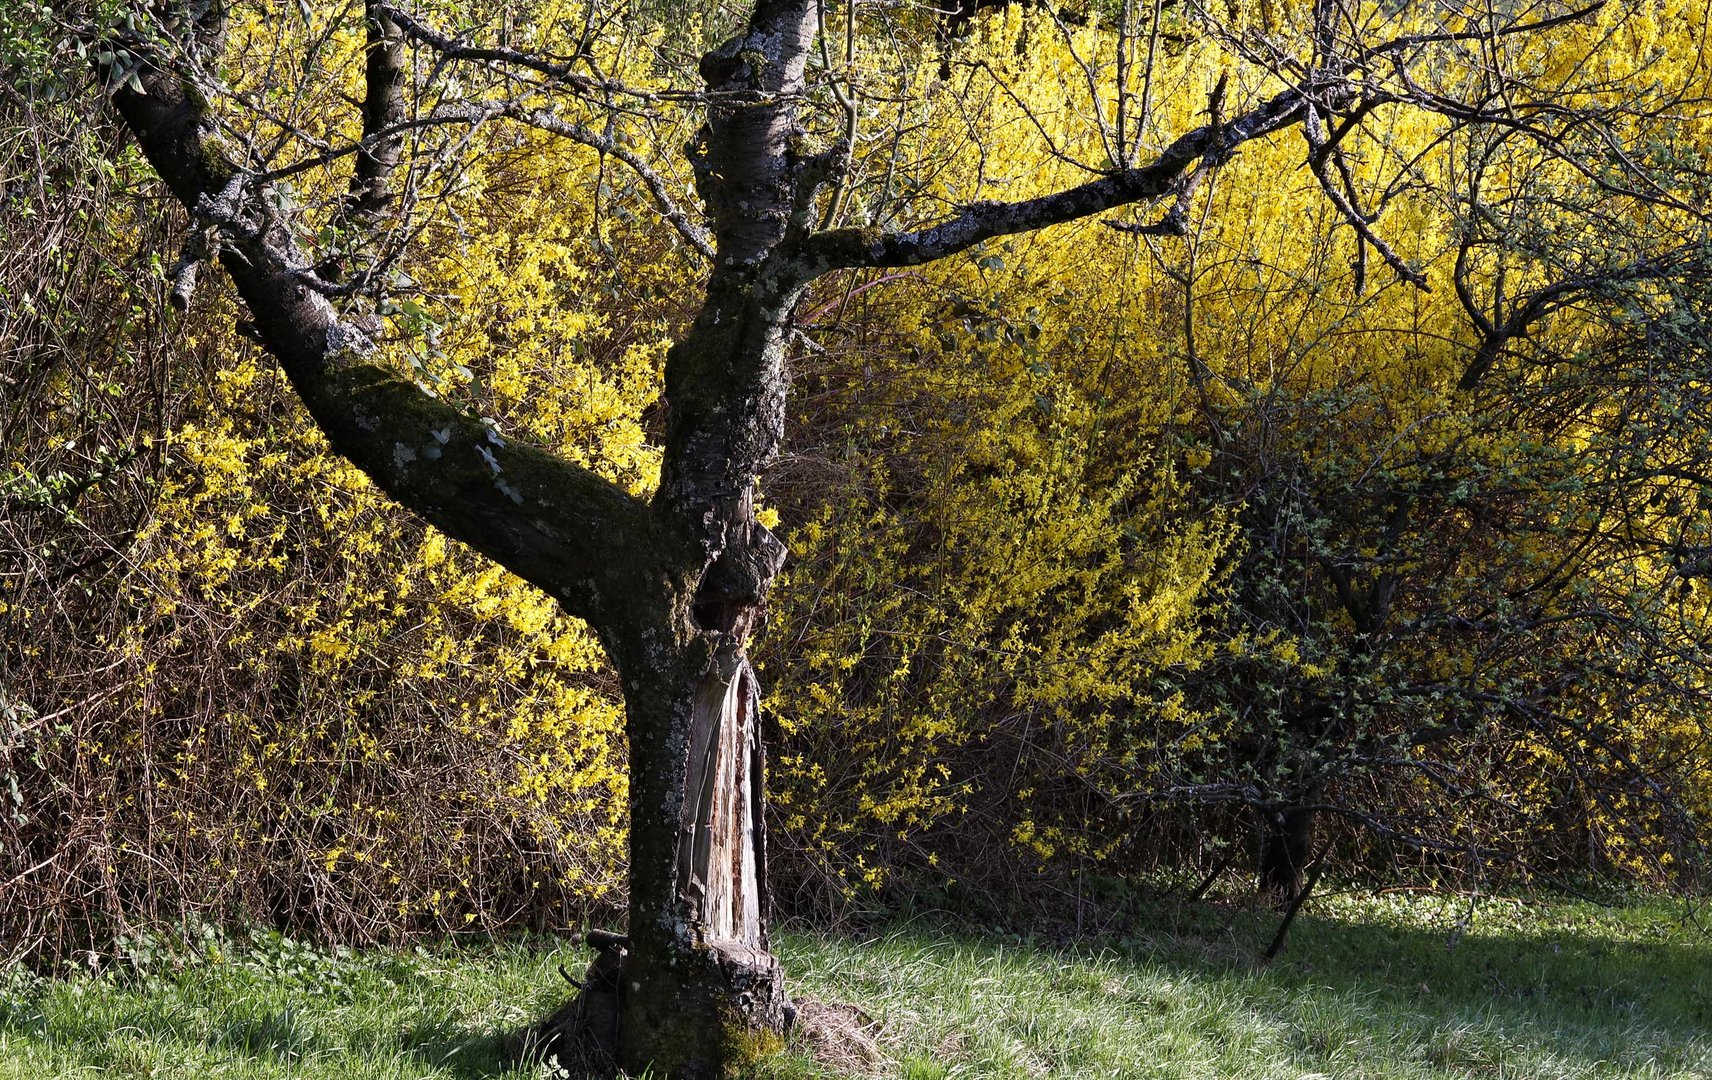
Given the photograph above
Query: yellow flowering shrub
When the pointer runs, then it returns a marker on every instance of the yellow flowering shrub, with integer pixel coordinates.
(988, 575)
(1063, 512)
(976, 662)
(287, 700)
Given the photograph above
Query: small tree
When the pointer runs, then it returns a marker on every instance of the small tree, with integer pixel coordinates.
(796, 178)
(1465, 596)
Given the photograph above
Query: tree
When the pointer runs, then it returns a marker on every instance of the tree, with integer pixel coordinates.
(1449, 578)
(1459, 643)
(675, 584)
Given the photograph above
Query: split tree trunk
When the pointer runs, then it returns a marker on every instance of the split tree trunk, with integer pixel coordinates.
(702, 994)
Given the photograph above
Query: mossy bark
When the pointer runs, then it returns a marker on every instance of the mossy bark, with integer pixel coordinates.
(702, 993)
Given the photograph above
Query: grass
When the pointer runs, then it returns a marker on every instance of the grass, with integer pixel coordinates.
(1371, 986)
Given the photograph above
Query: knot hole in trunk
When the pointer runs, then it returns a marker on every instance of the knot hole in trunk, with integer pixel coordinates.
(734, 585)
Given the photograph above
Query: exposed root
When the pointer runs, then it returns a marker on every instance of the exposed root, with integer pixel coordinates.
(581, 1036)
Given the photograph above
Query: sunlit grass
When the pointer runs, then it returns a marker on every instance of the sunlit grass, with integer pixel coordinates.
(1387, 986)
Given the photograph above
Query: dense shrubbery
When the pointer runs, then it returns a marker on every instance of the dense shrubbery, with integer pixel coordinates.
(239, 682)
(1133, 569)
(1110, 551)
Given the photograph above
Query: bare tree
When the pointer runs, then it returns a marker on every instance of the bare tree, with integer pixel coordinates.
(675, 584)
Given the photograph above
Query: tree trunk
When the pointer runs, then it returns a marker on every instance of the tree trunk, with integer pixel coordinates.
(694, 991)
(702, 994)
(1286, 844)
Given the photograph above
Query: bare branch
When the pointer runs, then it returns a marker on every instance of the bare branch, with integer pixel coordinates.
(692, 233)
(1318, 148)
(561, 72)
(1536, 305)
(1410, 41)
(465, 114)
(985, 220)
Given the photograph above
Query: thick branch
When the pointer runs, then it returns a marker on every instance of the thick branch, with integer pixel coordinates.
(745, 158)
(558, 525)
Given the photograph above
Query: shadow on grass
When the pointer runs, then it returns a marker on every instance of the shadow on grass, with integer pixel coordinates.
(456, 1051)
(1587, 972)
(1600, 994)
(445, 1048)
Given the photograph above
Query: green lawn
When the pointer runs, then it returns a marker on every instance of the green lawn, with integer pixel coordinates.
(1368, 987)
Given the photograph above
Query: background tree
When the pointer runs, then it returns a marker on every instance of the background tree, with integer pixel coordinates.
(1399, 506)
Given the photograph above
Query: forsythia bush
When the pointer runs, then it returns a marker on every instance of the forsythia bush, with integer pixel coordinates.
(285, 699)
(989, 577)
(1089, 530)
(1131, 540)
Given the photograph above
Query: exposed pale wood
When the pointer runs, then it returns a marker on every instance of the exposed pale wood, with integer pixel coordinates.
(718, 854)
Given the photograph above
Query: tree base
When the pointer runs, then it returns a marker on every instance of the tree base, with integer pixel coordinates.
(709, 1013)
(720, 1012)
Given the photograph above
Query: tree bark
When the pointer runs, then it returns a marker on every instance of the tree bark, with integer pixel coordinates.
(702, 995)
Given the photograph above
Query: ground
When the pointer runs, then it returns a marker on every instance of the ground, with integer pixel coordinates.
(1386, 985)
